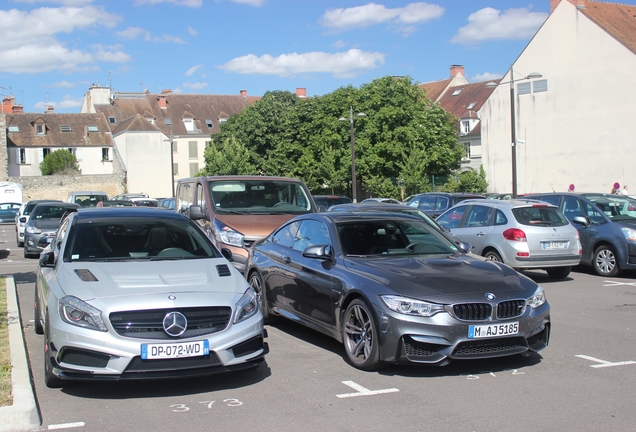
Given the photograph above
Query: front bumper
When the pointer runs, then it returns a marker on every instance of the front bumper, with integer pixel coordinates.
(442, 338)
(36, 243)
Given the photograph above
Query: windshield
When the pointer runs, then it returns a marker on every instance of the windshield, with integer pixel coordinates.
(51, 211)
(125, 239)
(89, 200)
(259, 197)
(392, 237)
(616, 207)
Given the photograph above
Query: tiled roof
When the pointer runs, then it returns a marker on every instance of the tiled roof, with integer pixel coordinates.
(75, 125)
(435, 89)
(136, 123)
(466, 95)
(619, 20)
(202, 108)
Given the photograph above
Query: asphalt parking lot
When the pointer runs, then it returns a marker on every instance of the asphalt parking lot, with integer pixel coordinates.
(585, 380)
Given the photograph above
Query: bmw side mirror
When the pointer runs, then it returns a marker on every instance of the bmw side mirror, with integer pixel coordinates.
(464, 246)
(318, 251)
(47, 259)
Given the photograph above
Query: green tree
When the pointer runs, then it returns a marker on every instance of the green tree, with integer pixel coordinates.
(228, 157)
(469, 181)
(59, 162)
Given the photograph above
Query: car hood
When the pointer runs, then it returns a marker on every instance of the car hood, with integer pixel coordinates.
(628, 222)
(254, 226)
(45, 224)
(445, 279)
(144, 279)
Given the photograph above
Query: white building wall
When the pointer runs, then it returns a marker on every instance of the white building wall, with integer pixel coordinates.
(578, 131)
(89, 162)
(182, 156)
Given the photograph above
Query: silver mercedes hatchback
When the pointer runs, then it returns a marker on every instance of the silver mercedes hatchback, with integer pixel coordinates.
(525, 234)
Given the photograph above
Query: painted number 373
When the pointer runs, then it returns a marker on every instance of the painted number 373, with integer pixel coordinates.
(208, 404)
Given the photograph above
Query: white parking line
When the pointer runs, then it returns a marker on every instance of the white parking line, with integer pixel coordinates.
(66, 425)
(362, 391)
(616, 283)
(605, 363)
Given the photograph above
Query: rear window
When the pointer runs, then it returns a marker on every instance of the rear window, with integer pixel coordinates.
(89, 200)
(539, 216)
(50, 212)
(330, 201)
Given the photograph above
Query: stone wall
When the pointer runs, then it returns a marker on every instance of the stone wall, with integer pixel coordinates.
(58, 187)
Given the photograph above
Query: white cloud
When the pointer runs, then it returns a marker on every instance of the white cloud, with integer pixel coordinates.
(372, 14)
(195, 86)
(339, 44)
(133, 32)
(193, 69)
(63, 84)
(110, 54)
(250, 2)
(67, 102)
(341, 65)
(130, 32)
(187, 3)
(41, 58)
(486, 76)
(492, 24)
(192, 31)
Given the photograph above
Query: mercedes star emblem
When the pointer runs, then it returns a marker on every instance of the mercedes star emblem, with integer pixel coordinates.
(175, 323)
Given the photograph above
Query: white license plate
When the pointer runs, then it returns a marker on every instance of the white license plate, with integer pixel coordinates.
(554, 245)
(494, 330)
(175, 350)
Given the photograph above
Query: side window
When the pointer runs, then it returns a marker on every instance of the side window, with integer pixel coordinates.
(185, 196)
(479, 216)
(452, 218)
(426, 203)
(59, 238)
(552, 199)
(500, 218)
(311, 233)
(442, 203)
(572, 208)
(200, 196)
(595, 216)
(286, 235)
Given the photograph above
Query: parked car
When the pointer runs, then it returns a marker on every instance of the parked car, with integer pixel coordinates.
(87, 198)
(144, 202)
(167, 203)
(525, 234)
(330, 200)
(8, 211)
(126, 196)
(381, 200)
(134, 293)
(393, 289)
(43, 224)
(23, 217)
(235, 211)
(436, 203)
(116, 203)
(607, 227)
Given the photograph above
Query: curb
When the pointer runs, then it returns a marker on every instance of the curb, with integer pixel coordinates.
(23, 414)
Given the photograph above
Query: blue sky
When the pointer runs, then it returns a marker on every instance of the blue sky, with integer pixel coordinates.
(51, 51)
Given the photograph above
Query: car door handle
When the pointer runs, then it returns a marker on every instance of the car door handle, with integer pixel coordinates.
(481, 234)
(287, 259)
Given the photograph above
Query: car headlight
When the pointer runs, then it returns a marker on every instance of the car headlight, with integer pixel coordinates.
(77, 312)
(629, 233)
(537, 300)
(411, 307)
(33, 230)
(228, 235)
(246, 307)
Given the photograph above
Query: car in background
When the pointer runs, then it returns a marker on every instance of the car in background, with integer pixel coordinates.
(134, 293)
(8, 212)
(144, 202)
(129, 195)
(330, 200)
(436, 203)
(524, 234)
(503, 196)
(87, 198)
(607, 227)
(23, 217)
(393, 289)
(236, 211)
(167, 203)
(43, 224)
(381, 200)
(116, 203)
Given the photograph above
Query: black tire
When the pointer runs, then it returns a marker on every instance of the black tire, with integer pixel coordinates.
(558, 272)
(360, 335)
(256, 282)
(493, 255)
(37, 321)
(605, 261)
(50, 379)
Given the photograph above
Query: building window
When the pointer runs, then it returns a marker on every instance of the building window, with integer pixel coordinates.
(465, 126)
(107, 154)
(77, 152)
(194, 169)
(42, 153)
(175, 169)
(222, 120)
(189, 125)
(466, 155)
(456, 92)
(65, 128)
(471, 106)
(14, 128)
(112, 120)
(151, 120)
(540, 85)
(40, 129)
(524, 88)
(167, 122)
(192, 149)
(22, 156)
(174, 147)
(209, 123)
(92, 128)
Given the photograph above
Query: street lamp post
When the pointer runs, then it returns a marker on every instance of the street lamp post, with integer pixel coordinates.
(353, 152)
(513, 128)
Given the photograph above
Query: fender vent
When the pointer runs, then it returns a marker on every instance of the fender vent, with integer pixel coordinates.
(223, 270)
(86, 275)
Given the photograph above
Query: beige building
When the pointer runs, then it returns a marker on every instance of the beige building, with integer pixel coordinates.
(572, 122)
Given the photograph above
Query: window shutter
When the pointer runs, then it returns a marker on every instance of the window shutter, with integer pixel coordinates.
(110, 154)
(27, 156)
(40, 155)
(78, 154)
(17, 157)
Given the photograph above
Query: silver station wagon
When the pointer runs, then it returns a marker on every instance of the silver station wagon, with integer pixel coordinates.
(525, 234)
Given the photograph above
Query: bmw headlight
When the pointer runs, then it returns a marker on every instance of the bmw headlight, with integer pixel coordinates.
(246, 307)
(629, 233)
(409, 306)
(228, 235)
(77, 312)
(33, 230)
(537, 300)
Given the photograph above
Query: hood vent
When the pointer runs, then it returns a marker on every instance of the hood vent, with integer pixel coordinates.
(223, 270)
(86, 275)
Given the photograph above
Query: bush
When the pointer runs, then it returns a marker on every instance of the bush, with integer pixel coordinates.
(58, 162)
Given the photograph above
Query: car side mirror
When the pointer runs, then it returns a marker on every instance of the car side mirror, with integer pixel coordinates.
(195, 212)
(23, 219)
(227, 254)
(464, 246)
(322, 208)
(580, 220)
(322, 252)
(47, 259)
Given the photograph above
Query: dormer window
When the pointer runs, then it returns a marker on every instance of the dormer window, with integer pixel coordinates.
(188, 122)
(465, 126)
(222, 120)
(14, 128)
(151, 120)
(40, 129)
(209, 123)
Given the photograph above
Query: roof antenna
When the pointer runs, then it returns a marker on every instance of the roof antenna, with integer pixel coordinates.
(551, 187)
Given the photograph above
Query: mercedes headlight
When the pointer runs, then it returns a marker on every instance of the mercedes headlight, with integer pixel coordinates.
(246, 307)
(77, 312)
(537, 300)
(409, 306)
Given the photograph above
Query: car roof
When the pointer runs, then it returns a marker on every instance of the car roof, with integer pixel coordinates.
(516, 202)
(346, 216)
(242, 177)
(366, 206)
(94, 213)
(57, 204)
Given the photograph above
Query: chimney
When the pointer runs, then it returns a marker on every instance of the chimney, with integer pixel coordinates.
(578, 3)
(8, 103)
(301, 92)
(49, 109)
(456, 69)
(166, 91)
(17, 108)
(163, 102)
(243, 93)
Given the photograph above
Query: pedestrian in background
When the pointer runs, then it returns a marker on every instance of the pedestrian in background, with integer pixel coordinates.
(625, 191)
(614, 191)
